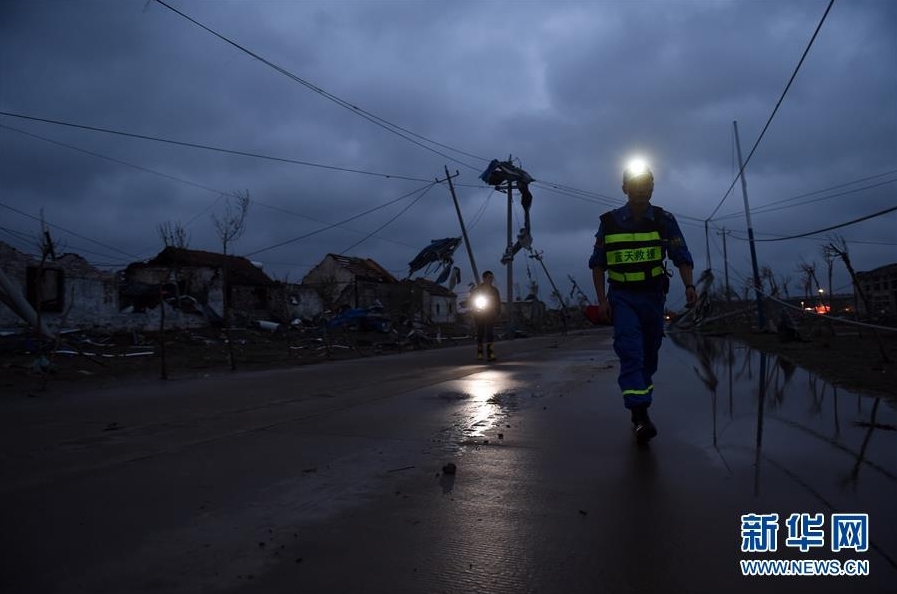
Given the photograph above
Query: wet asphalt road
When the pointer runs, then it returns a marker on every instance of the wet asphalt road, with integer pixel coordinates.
(330, 478)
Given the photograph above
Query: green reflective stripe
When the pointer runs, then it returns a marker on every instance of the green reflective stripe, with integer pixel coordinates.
(642, 254)
(632, 277)
(637, 237)
(626, 276)
(638, 392)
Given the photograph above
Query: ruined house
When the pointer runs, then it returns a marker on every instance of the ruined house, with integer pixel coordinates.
(426, 301)
(346, 281)
(67, 291)
(199, 283)
(880, 287)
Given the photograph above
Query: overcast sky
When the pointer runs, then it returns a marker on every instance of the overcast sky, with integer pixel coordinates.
(382, 95)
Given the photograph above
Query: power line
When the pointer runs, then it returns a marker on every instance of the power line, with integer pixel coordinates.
(577, 193)
(384, 225)
(208, 148)
(352, 218)
(848, 240)
(386, 125)
(867, 217)
(355, 109)
(482, 210)
(109, 247)
(220, 193)
(772, 115)
(108, 158)
(814, 192)
(301, 216)
(769, 207)
(557, 188)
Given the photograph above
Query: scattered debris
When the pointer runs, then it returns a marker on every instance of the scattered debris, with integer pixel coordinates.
(450, 468)
(501, 435)
(400, 469)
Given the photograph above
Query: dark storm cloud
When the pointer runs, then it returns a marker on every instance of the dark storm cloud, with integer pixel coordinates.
(571, 89)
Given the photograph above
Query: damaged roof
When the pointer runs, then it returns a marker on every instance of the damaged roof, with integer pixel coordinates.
(240, 271)
(432, 288)
(364, 268)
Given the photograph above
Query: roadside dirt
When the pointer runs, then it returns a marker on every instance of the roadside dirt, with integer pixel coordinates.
(852, 361)
(840, 355)
(91, 361)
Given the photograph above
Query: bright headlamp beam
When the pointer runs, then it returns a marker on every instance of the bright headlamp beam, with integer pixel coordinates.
(636, 167)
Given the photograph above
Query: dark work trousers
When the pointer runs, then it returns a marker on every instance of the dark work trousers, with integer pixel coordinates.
(485, 331)
(638, 333)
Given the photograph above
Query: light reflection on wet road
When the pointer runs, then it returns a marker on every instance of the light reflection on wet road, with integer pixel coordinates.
(259, 475)
(758, 413)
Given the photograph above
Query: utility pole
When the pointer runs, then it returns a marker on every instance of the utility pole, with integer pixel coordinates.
(725, 260)
(577, 289)
(503, 176)
(747, 214)
(707, 243)
(538, 256)
(473, 266)
(509, 268)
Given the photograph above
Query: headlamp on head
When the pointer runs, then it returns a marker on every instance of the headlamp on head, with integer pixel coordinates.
(637, 170)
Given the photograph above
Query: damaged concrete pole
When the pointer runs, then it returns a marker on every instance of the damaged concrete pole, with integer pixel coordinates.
(473, 264)
(12, 296)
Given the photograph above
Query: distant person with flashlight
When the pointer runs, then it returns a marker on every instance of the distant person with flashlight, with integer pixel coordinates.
(630, 247)
(486, 305)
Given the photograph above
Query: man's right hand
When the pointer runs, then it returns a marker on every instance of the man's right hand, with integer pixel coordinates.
(599, 314)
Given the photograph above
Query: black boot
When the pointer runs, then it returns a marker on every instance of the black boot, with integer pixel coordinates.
(642, 426)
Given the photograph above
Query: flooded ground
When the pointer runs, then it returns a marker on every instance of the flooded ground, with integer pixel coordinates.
(786, 429)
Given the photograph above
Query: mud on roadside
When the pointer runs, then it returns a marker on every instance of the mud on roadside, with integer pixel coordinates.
(84, 360)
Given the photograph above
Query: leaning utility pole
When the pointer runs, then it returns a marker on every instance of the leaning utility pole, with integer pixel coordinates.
(473, 265)
(725, 260)
(510, 265)
(538, 256)
(747, 214)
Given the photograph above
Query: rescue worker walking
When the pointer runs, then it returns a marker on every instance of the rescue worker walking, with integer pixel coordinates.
(486, 306)
(630, 247)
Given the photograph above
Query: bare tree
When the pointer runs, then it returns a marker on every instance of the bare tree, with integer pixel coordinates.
(809, 278)
(766, 274)
(232, 222)
(230, 227)
(838, 246)
(784, 281)
(173, 234)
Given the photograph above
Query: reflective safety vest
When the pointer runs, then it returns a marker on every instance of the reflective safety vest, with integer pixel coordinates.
(635, 256)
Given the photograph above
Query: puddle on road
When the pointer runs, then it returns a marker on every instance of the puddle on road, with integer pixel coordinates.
(487, 400)
(761, 412)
